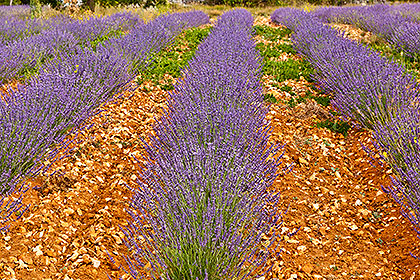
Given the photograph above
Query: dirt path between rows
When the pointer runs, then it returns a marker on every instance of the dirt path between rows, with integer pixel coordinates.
(348, 227)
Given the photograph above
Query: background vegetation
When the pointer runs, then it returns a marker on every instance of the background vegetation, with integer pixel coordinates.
(90, 4)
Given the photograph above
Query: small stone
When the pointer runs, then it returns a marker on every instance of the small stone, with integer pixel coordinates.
(68, 211)
(74, 256)
(307, 268)
(100, 179)
(303, 161)
(337, 174)
(364, 212)
(82, 250)
(358, 202)
(353, 227)
(117, 239)
(96, 263)
(38, 250)
(301, 248)
(45, 260)
(22, 264)
(378, 274)
(86, 258)
(51, 253)
(27, 259)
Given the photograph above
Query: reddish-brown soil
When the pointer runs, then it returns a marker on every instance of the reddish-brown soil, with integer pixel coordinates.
(348, 227)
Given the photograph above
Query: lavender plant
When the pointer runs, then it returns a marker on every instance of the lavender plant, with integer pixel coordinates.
(25, 53)
(378, 93)
(398, 141)
(22, 55)
(366, 86)
(36, 117)
(98, 28)
(153, 36)
(406, 39)
(22, 11)
(203, 208)
(398, 25)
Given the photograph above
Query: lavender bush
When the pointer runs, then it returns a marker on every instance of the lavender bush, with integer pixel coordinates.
(202, 208)
(127, 33)
(398, 25)
(100, 28)
(22, 11)
(30, 52)
(152, 37)
(36, 117)
(378, 93)
(406, 38)
(399, 141)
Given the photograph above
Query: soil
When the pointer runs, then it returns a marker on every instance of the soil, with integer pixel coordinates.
(339, 223)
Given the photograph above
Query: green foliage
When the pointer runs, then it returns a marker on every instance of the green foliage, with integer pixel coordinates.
(287, 89)
(273, 50)
(288, 69)
(111, 34)
(195, 36)
(321, 100)
(337, 126)
(281, 70)
(292, 102)
(270, 98)
(36, 8)
(172, 60)
(271, 34)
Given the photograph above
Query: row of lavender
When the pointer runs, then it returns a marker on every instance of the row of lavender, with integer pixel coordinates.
(203, 206)
(367, 87)
(36, 117)
(26, 43)
(15, 10)
(399, 25)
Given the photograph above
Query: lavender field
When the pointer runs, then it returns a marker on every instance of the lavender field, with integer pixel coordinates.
(252, 144)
